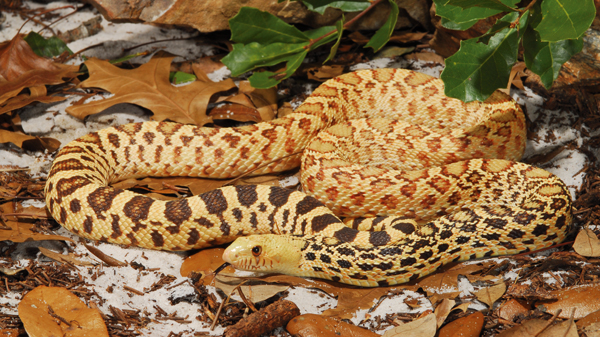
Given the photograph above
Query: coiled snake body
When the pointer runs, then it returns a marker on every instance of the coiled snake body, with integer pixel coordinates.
(446, 199)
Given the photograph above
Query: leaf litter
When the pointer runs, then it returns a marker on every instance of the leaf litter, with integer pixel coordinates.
(544, 294)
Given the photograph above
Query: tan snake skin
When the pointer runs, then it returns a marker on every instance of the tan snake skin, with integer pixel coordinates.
(506, 207)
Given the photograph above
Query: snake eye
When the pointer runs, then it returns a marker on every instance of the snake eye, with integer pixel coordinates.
(256, 250)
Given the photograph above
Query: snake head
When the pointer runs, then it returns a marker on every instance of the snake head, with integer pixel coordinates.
(265, 253)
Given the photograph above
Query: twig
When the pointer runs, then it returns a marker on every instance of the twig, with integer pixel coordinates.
(549, 323)
(224, 303)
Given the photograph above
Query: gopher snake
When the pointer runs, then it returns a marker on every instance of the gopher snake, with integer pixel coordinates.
(457, 207)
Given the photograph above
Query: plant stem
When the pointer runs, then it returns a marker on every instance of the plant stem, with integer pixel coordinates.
(347, 24)
(521, 12)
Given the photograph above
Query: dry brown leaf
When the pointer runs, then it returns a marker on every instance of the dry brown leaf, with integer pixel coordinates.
(582, 298)
(513, 308)
(592, 318)
(325, 72)
(407, 36)
(64, 258)
(562, 329)
(445, 279)
(442, 311)
(587, 243)
(28, 142)
(538, 328)
(21, 231)
(426, 57)
(236, 111)
(515, 77)
(44, 311)
(592, 330)
(17, 59)
(422, 327)
(311, 325)
(149, 87)
(21, 68)
(489, 295)
(468, 326)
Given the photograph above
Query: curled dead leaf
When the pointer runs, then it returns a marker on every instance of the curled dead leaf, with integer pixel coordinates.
(489, 295)
(582, 298)
(55, 311)
(311, 325)
(468, 326)
(422, 327)
(587, 243)
(442, 310)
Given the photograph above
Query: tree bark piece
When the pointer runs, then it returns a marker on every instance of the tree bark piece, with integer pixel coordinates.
(265, 320)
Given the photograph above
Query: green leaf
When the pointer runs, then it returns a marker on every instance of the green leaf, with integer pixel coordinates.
(477, 69)
(457, 18)
(491, 4)
(382, 36)
(49, 47)
(546, 58)
(253, 25)
(340, 29)
(244, 58)
(268, 79)
(320, 6)
(565, 19)
(179, 77)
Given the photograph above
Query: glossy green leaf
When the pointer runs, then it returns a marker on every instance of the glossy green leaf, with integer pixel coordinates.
(491, 4)
(253, 25)
(457, 18)
(244, 58)
(320, 6)
(478, 69)
(546, 58)
(49, 47)
(382, 35)
(565, 19)
(339, 26)
(268, 79)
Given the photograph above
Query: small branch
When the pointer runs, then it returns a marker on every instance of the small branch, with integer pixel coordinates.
(521, 12)
(346, 25)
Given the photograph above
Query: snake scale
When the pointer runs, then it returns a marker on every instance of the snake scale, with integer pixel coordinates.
(422, 178)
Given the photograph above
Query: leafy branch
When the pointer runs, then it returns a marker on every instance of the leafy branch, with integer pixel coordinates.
(548, 31)
(263, 40)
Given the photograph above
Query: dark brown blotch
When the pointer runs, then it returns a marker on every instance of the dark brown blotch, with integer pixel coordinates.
(137, 209)
(177, 211)
(246, 194)
(88, 224)
(321, 222)
(113, 138)
(101, 200)
(157, 239)
(75, 205)
(215, 201)
(194, 236)
(307, 204)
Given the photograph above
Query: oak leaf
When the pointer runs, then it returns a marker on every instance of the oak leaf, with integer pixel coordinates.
(21, 68)
(149, 87)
